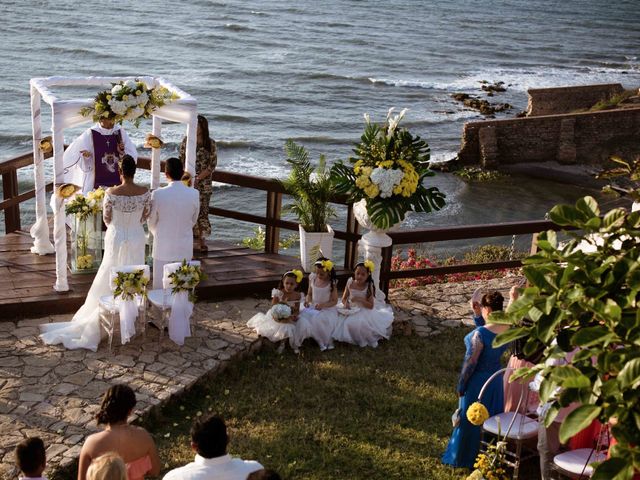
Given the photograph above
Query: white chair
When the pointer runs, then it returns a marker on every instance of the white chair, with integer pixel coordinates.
(515, 428)
(127, 311)
(577, 463)
(177, 320)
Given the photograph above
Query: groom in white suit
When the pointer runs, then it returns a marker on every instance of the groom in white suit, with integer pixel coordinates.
(174, 212)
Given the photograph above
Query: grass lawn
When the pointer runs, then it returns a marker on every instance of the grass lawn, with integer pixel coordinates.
(349, 413)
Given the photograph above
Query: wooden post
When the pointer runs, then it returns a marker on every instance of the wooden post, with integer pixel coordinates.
(351, 246)
(385, 268)
(272, 233)
(10, 190)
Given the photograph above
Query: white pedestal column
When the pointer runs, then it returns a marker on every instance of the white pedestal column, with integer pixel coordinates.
(371, 245)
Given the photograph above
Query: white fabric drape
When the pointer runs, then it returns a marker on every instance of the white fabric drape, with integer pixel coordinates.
(40, 230)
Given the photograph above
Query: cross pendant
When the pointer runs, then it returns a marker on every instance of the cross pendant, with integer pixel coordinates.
(108, 143)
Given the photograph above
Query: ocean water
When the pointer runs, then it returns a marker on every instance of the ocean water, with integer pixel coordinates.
(266, 71)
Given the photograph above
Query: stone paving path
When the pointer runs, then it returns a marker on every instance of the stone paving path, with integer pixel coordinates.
(54, 393)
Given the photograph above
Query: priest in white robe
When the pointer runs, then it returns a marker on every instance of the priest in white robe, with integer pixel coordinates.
(91, 161)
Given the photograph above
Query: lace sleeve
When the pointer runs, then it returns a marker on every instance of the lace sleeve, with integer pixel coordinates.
(146, 211)
(107, 206)
(474, 349)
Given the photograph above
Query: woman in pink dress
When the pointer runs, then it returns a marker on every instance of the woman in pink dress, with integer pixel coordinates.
(134, 444)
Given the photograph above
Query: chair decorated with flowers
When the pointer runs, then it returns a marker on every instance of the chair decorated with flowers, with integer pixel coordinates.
(127, 301)
(513, 431)
(174, 302)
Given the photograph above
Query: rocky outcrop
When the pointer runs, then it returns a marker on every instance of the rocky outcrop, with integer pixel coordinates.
(481, 105)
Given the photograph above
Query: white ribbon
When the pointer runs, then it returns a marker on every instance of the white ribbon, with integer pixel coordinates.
(128, 310)
(181, 310)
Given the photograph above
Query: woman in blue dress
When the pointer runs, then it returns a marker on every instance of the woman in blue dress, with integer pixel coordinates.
(480, 362)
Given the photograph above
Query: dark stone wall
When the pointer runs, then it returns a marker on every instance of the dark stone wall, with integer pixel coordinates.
(551, 101)
(585, 138)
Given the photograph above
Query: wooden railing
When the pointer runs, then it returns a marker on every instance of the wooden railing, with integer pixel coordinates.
(274, 223)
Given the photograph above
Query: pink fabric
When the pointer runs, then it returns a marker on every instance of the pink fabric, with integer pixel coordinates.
(513, 390)
(138, 468)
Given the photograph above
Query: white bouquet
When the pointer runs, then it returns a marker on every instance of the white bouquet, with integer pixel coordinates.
(280, 312)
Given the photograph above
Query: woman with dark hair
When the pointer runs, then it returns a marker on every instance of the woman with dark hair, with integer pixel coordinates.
(206, 161)
(124, 209)
(134, 444)
(480, 362)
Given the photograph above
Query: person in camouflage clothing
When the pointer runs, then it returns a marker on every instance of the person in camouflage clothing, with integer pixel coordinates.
(206, 161)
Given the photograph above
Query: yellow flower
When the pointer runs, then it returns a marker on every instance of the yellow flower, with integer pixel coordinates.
(109, 97)
(45, 145)
(152, 141)
(298, 275)
(327, 265)
(372, 190)
(385, 163)
(66, 190)
(477, 413)
(357, 166)
(125, 97)
(369, 265)
(138, 92)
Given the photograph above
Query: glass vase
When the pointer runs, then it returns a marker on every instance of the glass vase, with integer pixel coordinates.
(86, 243)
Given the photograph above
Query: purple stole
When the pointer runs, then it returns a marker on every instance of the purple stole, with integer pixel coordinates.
(106, 158)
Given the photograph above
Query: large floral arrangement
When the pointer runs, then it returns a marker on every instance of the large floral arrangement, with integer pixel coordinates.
(185, 279)
(128, 100)
(83, 206)
(129, 284)
(389, 171)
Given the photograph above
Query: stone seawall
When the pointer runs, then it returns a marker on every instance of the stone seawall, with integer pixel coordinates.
(585, 138)
(553, 101)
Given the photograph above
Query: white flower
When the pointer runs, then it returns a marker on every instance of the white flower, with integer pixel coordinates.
(143, 98)
(116, 89)
(131, 84)
(117, 107)
(280, 311)
(367, 118)
(386, 179)
(134, 113)
(393, 122)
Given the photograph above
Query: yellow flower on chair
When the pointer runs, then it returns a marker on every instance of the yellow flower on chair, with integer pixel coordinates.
(477, 413)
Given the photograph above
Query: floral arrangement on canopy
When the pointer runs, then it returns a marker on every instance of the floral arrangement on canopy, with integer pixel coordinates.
(81, 206)
(388, 172)
(186, 278)
(129, 284)
(128, 100)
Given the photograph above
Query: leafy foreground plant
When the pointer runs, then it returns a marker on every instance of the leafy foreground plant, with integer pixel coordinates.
(585, 294)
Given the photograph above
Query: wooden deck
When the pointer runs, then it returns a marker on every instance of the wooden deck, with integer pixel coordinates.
(26, 279)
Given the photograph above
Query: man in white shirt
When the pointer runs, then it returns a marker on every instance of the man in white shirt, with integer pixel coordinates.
(174, 212)
(209, 440)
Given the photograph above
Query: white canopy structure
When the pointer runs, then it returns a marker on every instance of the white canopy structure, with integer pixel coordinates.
(66, 114)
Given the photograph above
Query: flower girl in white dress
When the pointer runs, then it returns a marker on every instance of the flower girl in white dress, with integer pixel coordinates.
(370, 320)
(280, 329)
(320, 318)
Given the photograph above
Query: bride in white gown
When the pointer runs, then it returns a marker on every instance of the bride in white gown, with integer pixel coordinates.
(125, 208)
